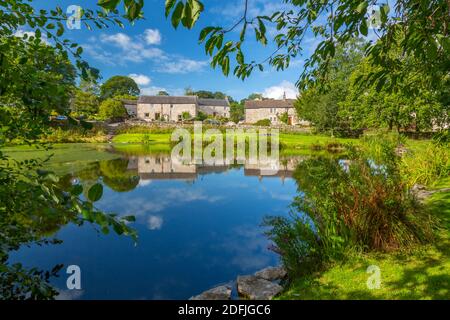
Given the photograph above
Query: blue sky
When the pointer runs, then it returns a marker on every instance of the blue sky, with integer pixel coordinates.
(159, 57)
(162, 58)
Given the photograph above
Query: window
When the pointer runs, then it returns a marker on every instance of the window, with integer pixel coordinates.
(147, 115)
(157, 116)
(180, 117)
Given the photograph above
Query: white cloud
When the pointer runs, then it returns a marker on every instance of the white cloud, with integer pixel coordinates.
(119, 39)
(138, 49)
(21, 33)
(140, 79)
(277, 91)
(155, 222)
(151, 91)
(182, 65)
(152, 36)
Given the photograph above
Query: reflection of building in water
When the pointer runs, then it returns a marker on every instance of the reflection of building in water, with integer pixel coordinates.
(166, 168)
(282, 168)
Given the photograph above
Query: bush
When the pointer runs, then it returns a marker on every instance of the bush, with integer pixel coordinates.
(284, 117)
(112, 109)
(426, 166)
(358, 204)
(201, 116)
(263, 123)
(74, 135)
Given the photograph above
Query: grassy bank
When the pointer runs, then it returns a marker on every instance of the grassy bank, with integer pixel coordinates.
(287, 140)
(421, 274)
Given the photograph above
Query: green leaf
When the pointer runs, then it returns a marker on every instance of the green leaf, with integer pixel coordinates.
(187, 19)
(196, 10)
(363, 28)
(226, 66)
(204, 33)
(129, 218)
(86, 125)
(108, 4)
(169, 6)
(95, 192)
(60, 31)
(76, 190)
(177, 13)
(362, 7)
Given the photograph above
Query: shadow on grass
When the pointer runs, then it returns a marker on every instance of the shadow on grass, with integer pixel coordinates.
(430, 278)
(421, 274)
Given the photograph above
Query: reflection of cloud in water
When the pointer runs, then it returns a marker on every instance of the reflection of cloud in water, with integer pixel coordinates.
(281, 196)
(248, 246)
(144, 183)
(155, 222)
(69, 294)
(166, 198)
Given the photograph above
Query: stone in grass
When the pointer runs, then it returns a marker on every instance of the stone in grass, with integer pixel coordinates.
(255, 288)
(272, 273)
(217, 293)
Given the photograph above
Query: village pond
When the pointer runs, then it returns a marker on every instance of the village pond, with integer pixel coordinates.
(199, 225)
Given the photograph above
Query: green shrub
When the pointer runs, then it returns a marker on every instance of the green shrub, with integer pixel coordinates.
(426, 166)
(73, 135)
(112, 109)
(284, 117)
(358, 204)
(201, 116)
(263, 123)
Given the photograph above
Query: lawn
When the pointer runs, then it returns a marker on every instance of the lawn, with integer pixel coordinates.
(421, 274)
(287, 140)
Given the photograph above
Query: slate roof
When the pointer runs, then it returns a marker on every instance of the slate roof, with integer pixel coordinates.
(213, 102)
(167, 100)
(270, 103)
(183, 100)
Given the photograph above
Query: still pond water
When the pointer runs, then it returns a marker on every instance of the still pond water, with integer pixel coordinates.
(198, 226)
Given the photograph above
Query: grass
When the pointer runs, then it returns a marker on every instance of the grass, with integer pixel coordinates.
(153, 138)
(288, 140)
(421, 274)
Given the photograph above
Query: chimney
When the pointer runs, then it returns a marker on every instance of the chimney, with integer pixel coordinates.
(284, 95)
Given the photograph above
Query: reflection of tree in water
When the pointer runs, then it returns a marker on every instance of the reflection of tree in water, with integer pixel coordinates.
(114, 173)
(117, 176)
(35, 205)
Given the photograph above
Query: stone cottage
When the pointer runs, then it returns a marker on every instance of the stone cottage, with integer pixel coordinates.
(271, 109)
(168, 108)
(131, 107)
(215, 107)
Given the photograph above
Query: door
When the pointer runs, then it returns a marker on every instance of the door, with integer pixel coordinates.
(290, 120)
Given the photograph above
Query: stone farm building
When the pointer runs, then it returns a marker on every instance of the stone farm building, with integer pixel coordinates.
(168, 108)
(271, 109)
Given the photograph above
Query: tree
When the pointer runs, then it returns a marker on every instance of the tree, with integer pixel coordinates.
(284, 117)
(255, 96)
(37, 75)
(90, 85)
(425, 24)
(186, 115)
(321, 108)
(416, 105)
(163, 93)
(204, 94)
(201, 116)
(112, 109)
(237, 112)
(37, 79)
(84, 103)
(119, 85)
